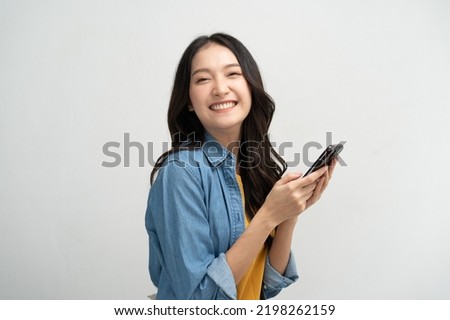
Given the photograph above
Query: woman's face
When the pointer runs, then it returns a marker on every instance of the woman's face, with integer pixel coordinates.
(219, 94)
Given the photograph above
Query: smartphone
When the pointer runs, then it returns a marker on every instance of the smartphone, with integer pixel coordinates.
(331, 152)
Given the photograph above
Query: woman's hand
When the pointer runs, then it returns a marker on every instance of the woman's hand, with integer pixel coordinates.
(291, 194)
(289, 197)
(281, 245)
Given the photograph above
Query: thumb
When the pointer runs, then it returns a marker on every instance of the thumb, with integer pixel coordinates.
(289, 177)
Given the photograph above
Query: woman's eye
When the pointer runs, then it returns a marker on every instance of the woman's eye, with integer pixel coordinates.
(234, 74)
(201, 80)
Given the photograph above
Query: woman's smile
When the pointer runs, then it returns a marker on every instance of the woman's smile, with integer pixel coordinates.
(223, 106)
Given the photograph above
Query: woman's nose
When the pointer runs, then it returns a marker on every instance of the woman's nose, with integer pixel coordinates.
(221, 87)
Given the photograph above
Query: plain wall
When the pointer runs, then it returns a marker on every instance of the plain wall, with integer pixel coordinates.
(75, 75)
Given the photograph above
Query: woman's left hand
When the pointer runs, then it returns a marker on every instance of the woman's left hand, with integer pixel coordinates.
(321, 184)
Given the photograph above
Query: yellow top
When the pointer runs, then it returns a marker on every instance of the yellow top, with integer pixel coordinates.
(249, 288)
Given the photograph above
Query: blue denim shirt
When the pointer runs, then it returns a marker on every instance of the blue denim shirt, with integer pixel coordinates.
(194, 215)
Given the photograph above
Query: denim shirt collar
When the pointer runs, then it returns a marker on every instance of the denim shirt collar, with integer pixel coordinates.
(215, 152)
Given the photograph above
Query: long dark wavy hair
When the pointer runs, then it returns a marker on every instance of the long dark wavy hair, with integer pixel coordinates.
(259, 164)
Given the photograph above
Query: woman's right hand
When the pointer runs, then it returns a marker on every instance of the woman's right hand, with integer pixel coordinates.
(288, 196)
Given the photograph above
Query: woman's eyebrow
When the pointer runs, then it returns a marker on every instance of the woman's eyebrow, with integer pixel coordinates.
(231, 65)
(200, 70)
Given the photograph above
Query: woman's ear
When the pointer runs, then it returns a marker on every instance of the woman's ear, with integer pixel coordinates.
(190, 107)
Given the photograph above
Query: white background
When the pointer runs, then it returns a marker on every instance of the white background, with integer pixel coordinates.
(75, 75)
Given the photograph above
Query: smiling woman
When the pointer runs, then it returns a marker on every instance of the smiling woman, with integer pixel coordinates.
(219, 93)
(220, 222)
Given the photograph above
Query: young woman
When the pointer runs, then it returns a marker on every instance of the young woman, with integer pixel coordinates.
(220, 213)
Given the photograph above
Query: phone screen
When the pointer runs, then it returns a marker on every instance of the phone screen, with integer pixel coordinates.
(331, 152)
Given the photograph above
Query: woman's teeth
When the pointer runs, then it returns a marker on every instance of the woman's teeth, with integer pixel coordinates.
(223, 106)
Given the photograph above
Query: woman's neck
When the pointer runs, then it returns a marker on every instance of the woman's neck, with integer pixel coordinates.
(229, 141)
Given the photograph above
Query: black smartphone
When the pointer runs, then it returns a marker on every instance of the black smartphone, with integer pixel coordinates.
(331, 152)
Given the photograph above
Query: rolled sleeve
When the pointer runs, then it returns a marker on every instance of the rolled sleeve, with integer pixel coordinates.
(220, 272)
(274, 282)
